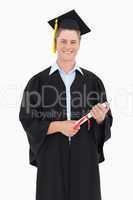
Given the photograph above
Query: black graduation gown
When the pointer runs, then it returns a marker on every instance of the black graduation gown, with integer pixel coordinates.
(64, 171)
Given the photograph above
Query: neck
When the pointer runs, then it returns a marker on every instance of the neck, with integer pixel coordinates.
(66, 66)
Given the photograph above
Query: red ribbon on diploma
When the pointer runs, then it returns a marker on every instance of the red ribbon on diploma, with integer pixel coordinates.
(85, 118)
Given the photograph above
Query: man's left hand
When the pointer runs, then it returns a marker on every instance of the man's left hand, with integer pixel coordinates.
(99, 112)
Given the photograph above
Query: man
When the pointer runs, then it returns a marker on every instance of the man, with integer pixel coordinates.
(66, 157)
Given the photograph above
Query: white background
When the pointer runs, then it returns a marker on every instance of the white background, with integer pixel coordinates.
(25, 49)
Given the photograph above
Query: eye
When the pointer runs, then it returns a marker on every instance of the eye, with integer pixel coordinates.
(63, 41)
(73, 42)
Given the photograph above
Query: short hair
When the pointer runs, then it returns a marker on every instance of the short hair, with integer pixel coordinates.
(61, 29)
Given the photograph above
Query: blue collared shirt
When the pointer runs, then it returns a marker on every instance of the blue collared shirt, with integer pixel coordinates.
(67, 78)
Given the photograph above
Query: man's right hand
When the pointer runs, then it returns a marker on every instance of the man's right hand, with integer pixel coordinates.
(65, 127)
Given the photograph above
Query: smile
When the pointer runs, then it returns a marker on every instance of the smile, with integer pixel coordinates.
(67, 52)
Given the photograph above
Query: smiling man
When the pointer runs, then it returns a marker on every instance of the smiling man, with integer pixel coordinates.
(67, 45)
(67, 158)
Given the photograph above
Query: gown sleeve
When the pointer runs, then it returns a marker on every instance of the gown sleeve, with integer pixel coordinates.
(35, 127)
(102, 131)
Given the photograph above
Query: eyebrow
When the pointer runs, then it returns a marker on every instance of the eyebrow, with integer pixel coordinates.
(67, 39)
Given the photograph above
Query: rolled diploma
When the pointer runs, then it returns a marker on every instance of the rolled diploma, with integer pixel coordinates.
(86, 117)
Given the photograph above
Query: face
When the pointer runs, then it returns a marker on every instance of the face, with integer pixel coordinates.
(67, 45)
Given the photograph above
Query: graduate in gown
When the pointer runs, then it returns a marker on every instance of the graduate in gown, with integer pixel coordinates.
(67, 158)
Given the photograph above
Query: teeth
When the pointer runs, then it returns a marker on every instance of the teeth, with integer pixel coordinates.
(67, 52)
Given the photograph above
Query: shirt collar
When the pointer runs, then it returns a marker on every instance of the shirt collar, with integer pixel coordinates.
(55, 67)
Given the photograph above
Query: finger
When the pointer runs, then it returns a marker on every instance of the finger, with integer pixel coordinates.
(98, 112)
(77, 128)
(93, 114)
(75, 132)
(101, 107)
(73, 121)
(107, 106)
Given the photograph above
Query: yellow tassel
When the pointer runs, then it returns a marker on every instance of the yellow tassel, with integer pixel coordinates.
(54, 36)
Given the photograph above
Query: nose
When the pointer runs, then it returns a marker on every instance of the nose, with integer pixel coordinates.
(68, 45)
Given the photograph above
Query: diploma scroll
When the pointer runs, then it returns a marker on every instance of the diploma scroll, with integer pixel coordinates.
(86, 117)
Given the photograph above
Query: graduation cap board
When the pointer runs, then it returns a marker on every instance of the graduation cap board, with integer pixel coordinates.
(70, 20)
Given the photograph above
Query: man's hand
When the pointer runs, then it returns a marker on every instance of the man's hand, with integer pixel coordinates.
(99, 112)
(65, 127)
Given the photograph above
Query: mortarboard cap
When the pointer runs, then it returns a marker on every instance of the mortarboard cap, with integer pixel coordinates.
(70, 20)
